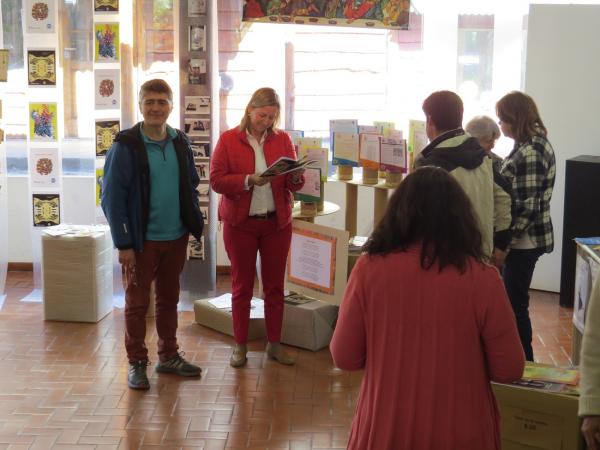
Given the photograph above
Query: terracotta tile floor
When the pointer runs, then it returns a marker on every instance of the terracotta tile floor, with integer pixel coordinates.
(63, 386)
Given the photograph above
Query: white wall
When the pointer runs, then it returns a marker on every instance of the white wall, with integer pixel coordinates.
(562, 75)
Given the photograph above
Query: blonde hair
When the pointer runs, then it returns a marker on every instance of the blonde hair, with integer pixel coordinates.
(265, 96)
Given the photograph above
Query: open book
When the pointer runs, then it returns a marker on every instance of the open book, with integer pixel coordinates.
(286, 165)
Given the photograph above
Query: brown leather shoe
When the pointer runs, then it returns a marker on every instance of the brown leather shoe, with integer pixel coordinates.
(238, 357)
(275, 351)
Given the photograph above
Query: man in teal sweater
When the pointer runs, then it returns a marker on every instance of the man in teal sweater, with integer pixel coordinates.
(150, 201)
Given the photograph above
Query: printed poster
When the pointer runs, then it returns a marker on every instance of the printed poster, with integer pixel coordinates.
(99, 181)
(196, 127)
(106, 42)
(106, 131)
(197, 38)
(44, 167)
(43, 122)
(200, 149)
(203, 168)
(46, 210)
(311, 260)
(392, 14)
(203, 190)
(196, 105)
(41, 67)
(196, 8)
(107, 89)
(204, 212)
(195, 248)
(3, 65)
(40, 16)
(197, 71)
(106, 5)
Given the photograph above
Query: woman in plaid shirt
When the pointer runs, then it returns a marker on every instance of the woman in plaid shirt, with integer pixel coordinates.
(531, 168)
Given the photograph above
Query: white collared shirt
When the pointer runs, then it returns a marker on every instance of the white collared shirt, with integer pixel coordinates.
(262, 196)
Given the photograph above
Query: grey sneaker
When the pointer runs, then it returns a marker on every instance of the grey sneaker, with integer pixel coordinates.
(178, 366)
(137, 378)
(275, 351)
(238, 356)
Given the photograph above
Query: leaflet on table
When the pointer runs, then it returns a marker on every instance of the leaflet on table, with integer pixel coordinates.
(386, 127)
(285, 165)
(257, 310)
(311, 191)
(320, 155)
(341, 126)
(345, 149)
(295, 135)
(417, 136)
(369, 151)
(393, 155)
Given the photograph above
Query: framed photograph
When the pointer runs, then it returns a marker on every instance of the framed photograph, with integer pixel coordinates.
(44, 167)
(106, 5)
(40, 16)
(41, 67)
(196, 8)
(203, 169)
(196, 126)
(43, 122)
(203, 192)
(195, 248)
(196, 71)
(106, 132)
(196, 105)
(106, 42)
(197, 38)
(107, 86)
(200, 149)
(46, 210)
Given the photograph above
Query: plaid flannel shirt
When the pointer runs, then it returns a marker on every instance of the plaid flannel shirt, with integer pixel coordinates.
(531, 168)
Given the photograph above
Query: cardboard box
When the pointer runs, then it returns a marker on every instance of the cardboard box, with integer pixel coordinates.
(309, 325)
(77, 270)
(538, 420)
(221, 320)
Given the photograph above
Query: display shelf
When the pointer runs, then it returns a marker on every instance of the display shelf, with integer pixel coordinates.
(380, 199)
(328, 208)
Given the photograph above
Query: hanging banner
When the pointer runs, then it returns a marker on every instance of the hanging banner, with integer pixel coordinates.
(392, 14)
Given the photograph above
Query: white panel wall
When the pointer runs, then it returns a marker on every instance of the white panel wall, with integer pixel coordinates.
(562, 75)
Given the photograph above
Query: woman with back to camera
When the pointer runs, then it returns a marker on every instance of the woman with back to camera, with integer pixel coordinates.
(257, 216)
(430, 324)
(531, 169)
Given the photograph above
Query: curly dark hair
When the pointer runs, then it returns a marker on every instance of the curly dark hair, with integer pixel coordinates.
(430, 207)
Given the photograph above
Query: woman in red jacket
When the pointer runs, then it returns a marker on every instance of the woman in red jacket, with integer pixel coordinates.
(257, 216)
(430, 324)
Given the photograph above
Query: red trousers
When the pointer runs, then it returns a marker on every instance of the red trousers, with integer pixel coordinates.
(161, 261)
(242, 244)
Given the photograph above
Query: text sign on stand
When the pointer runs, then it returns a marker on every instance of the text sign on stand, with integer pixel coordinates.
(316, 246)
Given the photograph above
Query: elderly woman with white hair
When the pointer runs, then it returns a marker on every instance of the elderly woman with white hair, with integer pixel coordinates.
(487, 132)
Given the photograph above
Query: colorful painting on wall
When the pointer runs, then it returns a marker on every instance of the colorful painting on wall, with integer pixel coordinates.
(106, 42)
(41, 67)
(43, 122)
(391, 14)
(46, 210)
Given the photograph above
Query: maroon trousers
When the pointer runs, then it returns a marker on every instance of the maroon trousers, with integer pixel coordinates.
(161, 261)
(242, 244)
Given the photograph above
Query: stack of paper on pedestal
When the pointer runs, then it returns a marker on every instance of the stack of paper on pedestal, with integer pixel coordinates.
(77, 267)
(215, 313)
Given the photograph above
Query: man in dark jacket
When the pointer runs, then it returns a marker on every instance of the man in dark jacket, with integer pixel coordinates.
(460, 154)
(150, 201)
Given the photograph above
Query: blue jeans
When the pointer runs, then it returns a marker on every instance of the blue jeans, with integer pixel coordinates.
(517, 274)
